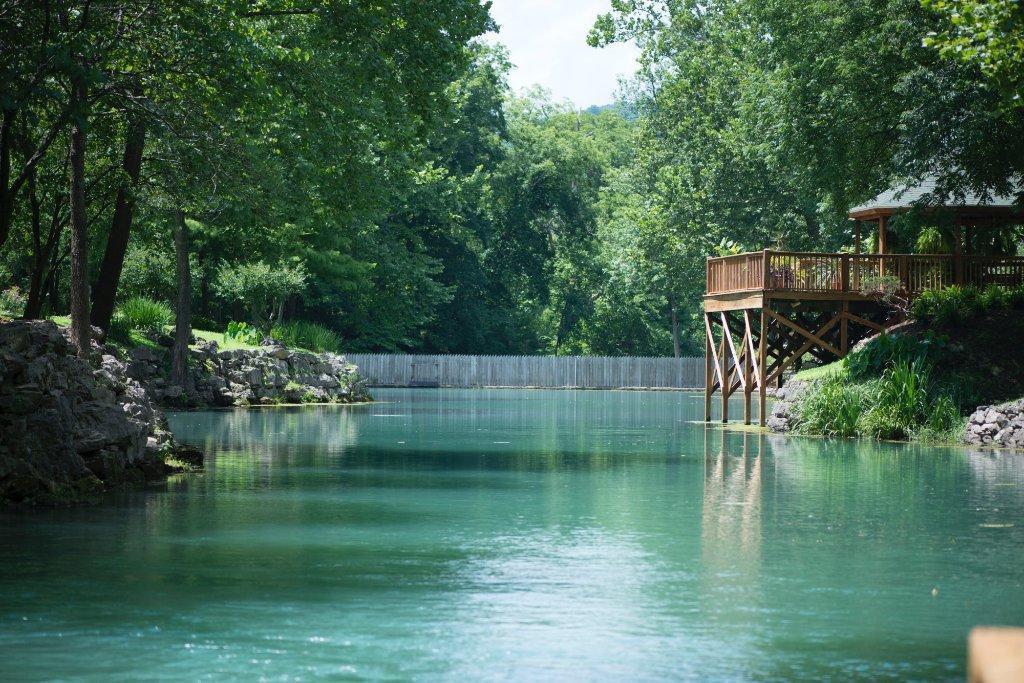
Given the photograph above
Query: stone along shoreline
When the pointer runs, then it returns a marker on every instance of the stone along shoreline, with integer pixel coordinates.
(72, 428)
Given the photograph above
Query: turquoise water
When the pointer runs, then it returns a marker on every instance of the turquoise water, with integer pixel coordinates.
(529, 535)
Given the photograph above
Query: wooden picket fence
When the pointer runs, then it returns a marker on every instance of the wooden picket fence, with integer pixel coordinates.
(579, 372)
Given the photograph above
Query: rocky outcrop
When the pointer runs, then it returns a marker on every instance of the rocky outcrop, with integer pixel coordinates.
(69, 427)
(1001, 425)
(240, 377)
(782, 417)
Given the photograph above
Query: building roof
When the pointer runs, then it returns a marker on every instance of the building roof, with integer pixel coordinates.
(907, 196)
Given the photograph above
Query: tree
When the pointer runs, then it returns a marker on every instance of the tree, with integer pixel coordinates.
(80, 331)
(261, 286)
(986, 33)
(183, 306)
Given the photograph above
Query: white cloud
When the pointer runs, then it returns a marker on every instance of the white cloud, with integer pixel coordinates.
(547, 42)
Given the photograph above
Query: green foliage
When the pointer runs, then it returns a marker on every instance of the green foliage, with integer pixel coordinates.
(899, 401)
(307, 335)
(395, 192)
(931, 241)
(982, 32)
(887, 390)
(144, 314)
(12, 302)
(148, 272)
(120, 330)
(944, 421)
(259, 286)
(886, 351)
(957, 305)
(834, 408)
(244, 333)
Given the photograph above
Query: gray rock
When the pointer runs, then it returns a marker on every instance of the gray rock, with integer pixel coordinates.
(65, 422)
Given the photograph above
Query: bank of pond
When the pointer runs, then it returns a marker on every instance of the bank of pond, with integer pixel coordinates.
(952, 374)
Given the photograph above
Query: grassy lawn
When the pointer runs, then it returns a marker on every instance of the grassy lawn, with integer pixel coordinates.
(138, 339)
(224, 343)
(820, 372)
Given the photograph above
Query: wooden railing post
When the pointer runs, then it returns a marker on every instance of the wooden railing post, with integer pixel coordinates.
(765, 269)
(844, 273)
(958, 269)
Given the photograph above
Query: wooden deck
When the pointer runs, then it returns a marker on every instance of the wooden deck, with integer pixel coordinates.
(738, 282)
(764, 312)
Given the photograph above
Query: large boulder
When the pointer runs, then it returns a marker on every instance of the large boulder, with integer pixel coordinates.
(68, 425)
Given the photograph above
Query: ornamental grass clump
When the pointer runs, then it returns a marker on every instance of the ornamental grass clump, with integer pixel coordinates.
(307, 335)
(834, 409)
(944, 422)
(899, 401)
(144, 314)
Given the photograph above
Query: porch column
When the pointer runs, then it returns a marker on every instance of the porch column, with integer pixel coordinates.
(856, 236)
(958, 251)
(883, 222)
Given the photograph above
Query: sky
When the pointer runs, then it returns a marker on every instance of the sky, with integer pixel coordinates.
(547, 42)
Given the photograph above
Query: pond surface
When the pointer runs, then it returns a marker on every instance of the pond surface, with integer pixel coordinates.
(461, 534)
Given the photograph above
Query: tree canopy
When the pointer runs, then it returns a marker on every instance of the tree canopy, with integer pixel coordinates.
(365, 166)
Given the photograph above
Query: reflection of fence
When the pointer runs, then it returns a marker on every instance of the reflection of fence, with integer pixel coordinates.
(583, 372)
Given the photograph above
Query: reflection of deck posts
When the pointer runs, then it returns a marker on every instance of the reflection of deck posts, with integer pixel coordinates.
(762, 362)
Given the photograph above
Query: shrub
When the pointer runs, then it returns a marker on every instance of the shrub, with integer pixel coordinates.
(994, 298)
(307, 335)
(956, 305)
(120, 329)
(144, 314)
(260, 286)
(243, 333)
(931, 240)
(944, 416)
(900, 401)
(148, 271)
(833, 409)
(1015, 298)
(888, 290)
(886, 350)
(12, 302)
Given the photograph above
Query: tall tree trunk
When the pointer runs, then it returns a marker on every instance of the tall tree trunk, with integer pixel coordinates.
(674, 314)
(105, 293)
(38, 257)
(6, 196)
(183, 310)
(79, 298)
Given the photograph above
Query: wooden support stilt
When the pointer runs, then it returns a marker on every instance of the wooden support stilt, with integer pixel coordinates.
(709, 370)
(762, 361)
(844, 331)
(748, 364)
(725, 377)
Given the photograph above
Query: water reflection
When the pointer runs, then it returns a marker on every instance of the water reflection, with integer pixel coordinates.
(731, 511)
(519, 534)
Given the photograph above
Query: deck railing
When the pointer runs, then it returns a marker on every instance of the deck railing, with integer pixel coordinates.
(849, 273)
